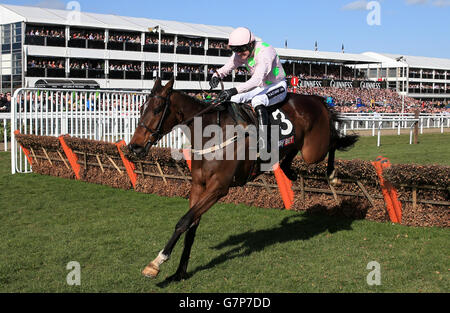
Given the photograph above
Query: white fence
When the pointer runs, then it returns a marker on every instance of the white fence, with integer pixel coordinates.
(113, 115)
(92, 114)
(371, 121)
(4, 120)
(382, 121)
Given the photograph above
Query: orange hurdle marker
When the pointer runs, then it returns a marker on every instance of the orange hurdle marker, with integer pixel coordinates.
(285, 186)
(129, 166)
(72, 157)
(187, 157)
(387, 198)
(385, 163)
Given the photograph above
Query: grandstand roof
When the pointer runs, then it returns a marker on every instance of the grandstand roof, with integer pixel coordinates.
(37, 15)
(323, 56)
(412, 61)
(30, 14)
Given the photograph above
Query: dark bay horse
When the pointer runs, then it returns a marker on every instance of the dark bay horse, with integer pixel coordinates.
(315, 136)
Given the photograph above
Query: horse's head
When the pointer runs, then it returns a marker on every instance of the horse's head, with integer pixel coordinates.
(158, 117)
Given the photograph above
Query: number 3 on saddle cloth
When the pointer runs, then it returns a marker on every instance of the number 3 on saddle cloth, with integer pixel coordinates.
(243, 113)
(285, 126)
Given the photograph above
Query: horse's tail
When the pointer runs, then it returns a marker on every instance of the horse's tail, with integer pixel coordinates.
(337, 142)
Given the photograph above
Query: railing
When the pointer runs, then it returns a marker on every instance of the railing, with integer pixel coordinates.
(113, 115)
(370, 121)
(5, 118)
(98, 115)
(379, 121)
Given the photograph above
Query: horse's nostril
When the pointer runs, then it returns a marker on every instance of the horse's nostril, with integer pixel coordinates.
(136, 148)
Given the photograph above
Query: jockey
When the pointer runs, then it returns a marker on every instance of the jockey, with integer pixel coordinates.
(267, 85)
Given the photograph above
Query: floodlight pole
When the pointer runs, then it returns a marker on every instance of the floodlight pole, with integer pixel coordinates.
(159, 51)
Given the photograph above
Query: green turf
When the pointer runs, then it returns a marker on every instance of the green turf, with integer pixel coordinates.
(46, 222)
(432, 148)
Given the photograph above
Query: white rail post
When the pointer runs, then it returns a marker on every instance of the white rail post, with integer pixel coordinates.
(5, 135)
(380, 123)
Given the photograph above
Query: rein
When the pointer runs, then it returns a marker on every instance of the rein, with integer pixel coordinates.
(208, 108)
(157, 134)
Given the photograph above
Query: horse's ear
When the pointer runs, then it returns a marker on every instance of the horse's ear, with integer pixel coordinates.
(169, 85)
(157, 86)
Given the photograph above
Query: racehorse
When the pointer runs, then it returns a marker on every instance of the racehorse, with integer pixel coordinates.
(314, 136)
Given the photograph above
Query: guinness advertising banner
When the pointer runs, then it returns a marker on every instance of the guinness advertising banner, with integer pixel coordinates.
(363, 84)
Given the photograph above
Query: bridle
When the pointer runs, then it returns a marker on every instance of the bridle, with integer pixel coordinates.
(157, 134)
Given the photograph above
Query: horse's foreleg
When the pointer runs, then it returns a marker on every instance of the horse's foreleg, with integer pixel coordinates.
(206, 201)
(181, 272)
(196, 192)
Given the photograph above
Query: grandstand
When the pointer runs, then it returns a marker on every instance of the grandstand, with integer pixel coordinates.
(422, 78)
(119, 52)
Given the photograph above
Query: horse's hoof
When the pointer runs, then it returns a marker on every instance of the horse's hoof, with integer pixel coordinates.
(150, 271)
(335, 182)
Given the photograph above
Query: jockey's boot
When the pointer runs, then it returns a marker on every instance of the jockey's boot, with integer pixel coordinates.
(263, 128)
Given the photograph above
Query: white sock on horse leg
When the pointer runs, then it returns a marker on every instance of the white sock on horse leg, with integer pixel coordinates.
(161, 258)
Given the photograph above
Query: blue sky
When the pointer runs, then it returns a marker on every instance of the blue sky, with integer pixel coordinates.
(410, 27)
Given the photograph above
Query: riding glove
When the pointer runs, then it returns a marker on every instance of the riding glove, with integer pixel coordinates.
(214, 82)
(227, 94)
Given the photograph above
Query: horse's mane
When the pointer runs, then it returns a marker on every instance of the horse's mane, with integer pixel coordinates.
(197, 101)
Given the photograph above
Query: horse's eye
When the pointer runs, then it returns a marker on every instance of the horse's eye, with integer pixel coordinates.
(158, 109)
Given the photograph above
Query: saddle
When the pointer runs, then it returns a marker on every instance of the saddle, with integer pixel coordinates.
(243, 113)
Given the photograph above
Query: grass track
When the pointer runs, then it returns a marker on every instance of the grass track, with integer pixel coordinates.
(432, 148)
(46, 222)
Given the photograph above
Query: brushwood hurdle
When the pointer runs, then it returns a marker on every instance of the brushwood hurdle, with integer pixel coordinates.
(107, 115)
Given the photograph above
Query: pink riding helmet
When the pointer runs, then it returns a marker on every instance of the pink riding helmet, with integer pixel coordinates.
(241, 36)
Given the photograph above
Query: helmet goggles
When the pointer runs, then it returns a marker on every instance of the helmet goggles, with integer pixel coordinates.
(238, 49)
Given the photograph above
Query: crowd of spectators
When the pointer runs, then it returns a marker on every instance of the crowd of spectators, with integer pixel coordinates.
(127, 67)
(198, 43)
(154, 67)
(5, 102)
(190, 69)
(213, 68)
(45, 32)
(35, 63)
(88, 36)
(87, 65)
(241, 71)
(217, 45)
(125, 38)
(154, 41)
(370, 100)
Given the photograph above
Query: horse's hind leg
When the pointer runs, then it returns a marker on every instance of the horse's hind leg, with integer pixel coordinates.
(331, 171)
(286, 165)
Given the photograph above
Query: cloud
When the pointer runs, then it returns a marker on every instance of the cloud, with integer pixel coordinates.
(441, 3)
(51, 4)
(360, 5)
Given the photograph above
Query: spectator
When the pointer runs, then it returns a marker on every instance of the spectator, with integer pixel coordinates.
(5, 102)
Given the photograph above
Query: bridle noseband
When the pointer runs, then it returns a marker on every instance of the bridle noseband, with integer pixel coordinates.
(157, 134)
